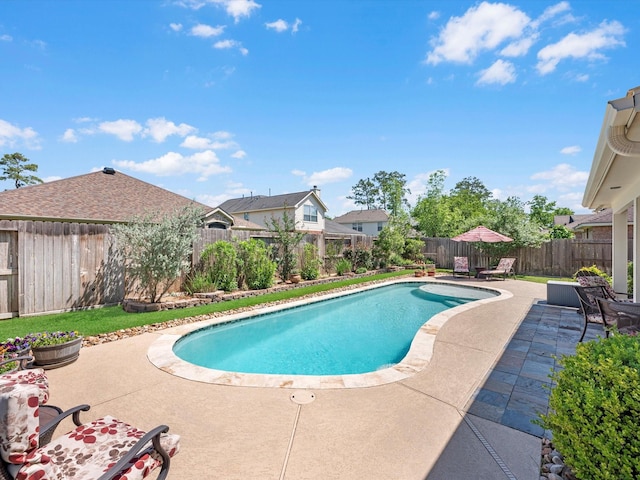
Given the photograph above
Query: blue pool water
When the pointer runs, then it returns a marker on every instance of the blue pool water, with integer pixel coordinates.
(356, 333)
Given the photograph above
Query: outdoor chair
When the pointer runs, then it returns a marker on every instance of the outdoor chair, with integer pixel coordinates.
(504, 268)
(587, 278)
(589, 305)
(620, 317)
(35, 376)
(103, 449)
(461, 266)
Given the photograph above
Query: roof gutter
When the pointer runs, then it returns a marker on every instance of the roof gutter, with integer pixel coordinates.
(619, 142)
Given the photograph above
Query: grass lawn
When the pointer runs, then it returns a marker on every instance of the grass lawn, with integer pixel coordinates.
(111, 319)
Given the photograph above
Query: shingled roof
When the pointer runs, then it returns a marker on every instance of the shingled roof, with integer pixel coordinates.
(354, 216)
(256, 203)
(105, 196)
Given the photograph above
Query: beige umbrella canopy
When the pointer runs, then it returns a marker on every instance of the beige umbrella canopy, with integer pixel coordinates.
(482, 234)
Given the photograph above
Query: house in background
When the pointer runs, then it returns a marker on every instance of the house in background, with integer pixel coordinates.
(614, 182)
(305, 208)
(101, 197)
(593, 226)
(368, 222)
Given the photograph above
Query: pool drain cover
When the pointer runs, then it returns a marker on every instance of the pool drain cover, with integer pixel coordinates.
(302, 397)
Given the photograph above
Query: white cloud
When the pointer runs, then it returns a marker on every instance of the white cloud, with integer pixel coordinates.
(418, 184)
(562, 177)
(501, 72)
(482, 27)
(519, 47)
(279, 25)
(11, 135)
(176, 27)
(205, 31)
(160, 128)
(578, 46)
(6, 38)
(204, 164)
(69, 136)
(298, 173)
(551, 12)
(52, 178)
(331, 175)
(433, 15)
(572, 150)
(202, 143)
(222, 135)
(236, 8)
(227, 44)
(123, 129)
(582, 77)
(240, 154)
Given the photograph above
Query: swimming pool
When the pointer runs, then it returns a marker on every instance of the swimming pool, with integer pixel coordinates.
(162, 355)
(352, 334)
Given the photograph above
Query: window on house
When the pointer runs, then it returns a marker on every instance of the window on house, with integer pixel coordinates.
(310, 213)
(246, 216)
(357, 226)
(379, 226)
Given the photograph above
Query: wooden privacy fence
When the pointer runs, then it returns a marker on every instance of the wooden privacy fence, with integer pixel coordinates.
(57, 266)
(557, 258)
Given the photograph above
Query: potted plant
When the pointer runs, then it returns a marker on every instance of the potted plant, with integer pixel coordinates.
(13, 348)
(294, 276)
(55, 349)
(430, 266)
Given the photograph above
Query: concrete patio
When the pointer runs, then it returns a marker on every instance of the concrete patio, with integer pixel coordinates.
(466, 415)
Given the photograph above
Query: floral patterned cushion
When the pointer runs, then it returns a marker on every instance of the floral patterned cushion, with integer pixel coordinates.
(19, 423)
(460, 264)
(36, 376)
(91, 449)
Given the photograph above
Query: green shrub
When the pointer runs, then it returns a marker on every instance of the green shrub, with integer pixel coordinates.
(594, 269)
(413, 250)
(595, 407)
(198, 282)
(343, 266)
(255, 269)
(310, 262)
(361, 270)
(219, 259)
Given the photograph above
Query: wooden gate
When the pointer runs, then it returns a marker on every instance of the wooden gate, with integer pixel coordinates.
(8, 272)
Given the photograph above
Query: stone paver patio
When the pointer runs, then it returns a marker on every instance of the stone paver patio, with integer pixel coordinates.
(465, 415)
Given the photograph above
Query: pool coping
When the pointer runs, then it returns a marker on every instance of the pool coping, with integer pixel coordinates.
(161, 354)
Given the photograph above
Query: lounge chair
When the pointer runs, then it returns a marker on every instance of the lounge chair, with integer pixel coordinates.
(103, 449)
(620, 317)
(589, 305)
(461, 266)
(504, 268)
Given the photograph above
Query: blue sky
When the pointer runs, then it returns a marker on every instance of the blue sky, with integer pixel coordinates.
(216, 99)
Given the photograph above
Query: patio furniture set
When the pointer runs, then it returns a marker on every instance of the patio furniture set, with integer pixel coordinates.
(504, 268)
(103, 449)
(599, 303)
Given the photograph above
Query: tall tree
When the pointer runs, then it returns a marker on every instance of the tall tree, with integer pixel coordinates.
(13, 167)
(469, 197)
(392, 191)
(365, 193)
(433, 211)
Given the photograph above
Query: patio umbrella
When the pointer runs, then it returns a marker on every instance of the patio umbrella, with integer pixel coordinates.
(482, 234)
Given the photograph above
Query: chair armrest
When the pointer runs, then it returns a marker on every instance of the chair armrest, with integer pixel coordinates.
(23, 361)
(74, 412)
(152, 436)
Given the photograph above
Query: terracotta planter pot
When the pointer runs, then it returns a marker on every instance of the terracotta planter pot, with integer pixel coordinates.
(53, 356)
(295, 278)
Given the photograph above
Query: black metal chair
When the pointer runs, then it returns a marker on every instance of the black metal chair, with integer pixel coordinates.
(620, 317)
(589, 306)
